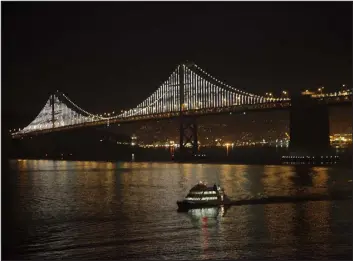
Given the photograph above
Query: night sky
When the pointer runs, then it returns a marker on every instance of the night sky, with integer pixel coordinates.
(112, 55)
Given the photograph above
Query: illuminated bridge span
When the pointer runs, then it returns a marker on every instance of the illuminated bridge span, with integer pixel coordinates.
(188, 91)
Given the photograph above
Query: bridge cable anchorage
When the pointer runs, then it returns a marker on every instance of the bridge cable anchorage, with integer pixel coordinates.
(202, 94)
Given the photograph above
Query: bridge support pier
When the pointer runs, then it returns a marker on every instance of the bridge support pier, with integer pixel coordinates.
(188, 145)
(309, 127)
(188, 142)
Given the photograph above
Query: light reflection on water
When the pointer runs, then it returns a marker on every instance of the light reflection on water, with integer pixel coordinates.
(62, 209)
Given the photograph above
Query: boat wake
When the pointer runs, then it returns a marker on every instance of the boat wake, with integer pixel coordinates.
(341, 195)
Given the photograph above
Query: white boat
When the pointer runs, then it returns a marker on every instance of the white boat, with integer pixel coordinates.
(201, 196)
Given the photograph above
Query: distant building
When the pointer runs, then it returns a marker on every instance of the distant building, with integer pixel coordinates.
(133, 140)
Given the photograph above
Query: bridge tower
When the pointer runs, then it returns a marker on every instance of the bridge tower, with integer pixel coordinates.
(188, 143)
(52, 102)
(309, 126)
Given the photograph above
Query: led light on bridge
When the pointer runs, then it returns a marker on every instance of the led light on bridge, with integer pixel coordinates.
(199, 93)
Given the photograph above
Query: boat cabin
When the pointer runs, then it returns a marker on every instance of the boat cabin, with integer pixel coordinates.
(202, 192)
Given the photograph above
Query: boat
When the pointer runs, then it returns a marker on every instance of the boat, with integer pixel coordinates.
(201, 196)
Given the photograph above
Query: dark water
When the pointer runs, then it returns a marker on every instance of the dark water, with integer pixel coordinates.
(92, 210)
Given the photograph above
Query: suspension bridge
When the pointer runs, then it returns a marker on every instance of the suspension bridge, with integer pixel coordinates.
(189, 91)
